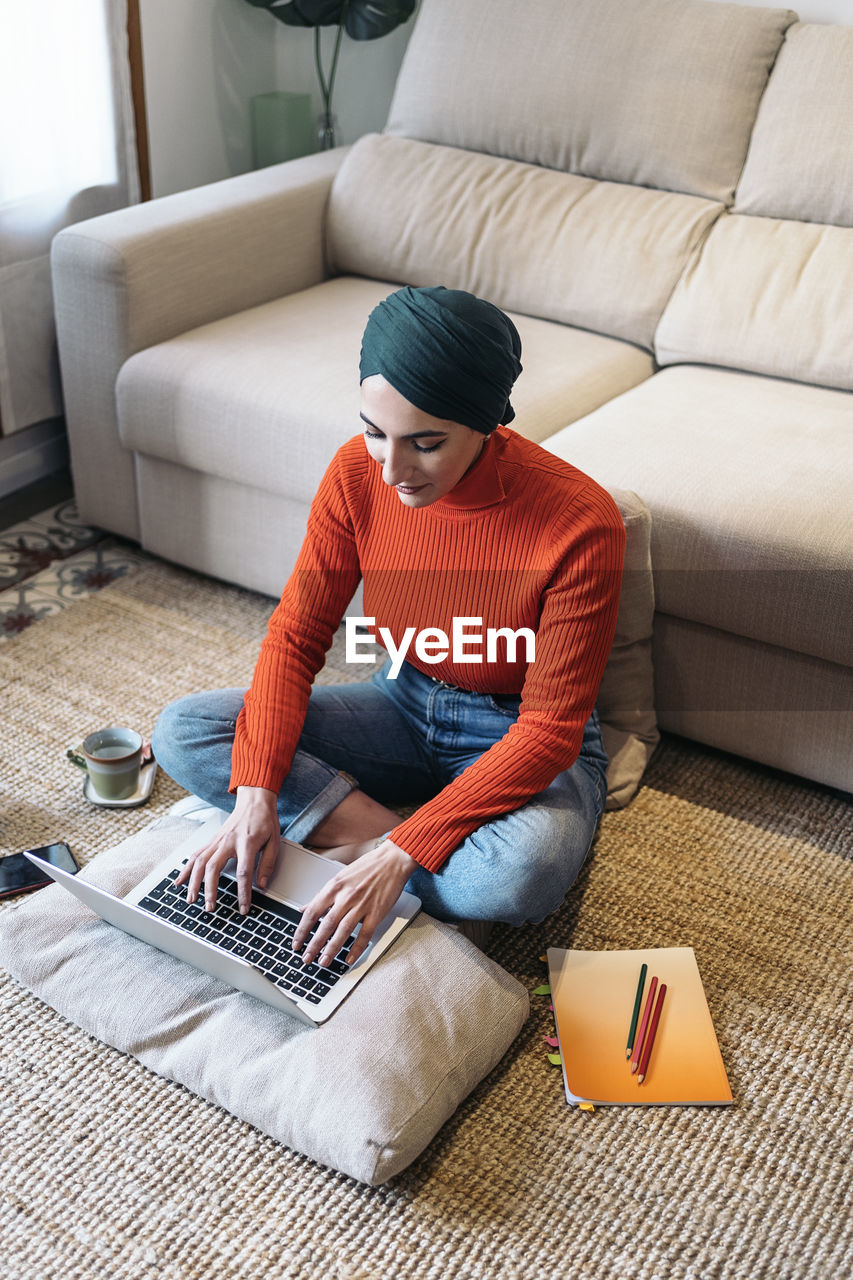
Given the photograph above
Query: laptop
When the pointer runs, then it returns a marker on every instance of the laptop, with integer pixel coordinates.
(252, 952)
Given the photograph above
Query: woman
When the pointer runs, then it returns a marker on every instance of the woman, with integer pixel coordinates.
(445, 514)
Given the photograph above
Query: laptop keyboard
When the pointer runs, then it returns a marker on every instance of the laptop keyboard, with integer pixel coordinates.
(264, 936)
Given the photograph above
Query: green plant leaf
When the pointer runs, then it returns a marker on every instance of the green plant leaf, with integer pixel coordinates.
(362, 19)
(370, 19)
(303, 13)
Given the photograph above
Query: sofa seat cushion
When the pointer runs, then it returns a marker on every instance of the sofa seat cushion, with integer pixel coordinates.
(364, 1093)
(266, 396)
(748, 481)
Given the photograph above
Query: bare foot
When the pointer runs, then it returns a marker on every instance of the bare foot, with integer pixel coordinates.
(348, 852)
(357, 818)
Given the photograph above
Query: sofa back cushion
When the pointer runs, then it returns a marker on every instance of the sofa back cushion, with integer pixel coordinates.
(772, 289)
(600, 255)
(658, 93)
(800, 159)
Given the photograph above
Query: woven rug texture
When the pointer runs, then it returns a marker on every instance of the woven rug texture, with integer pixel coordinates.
(110, 1171)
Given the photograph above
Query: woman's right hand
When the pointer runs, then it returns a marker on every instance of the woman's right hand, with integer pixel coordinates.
(251, 830)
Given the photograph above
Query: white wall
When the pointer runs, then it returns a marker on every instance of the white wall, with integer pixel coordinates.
(205, 59)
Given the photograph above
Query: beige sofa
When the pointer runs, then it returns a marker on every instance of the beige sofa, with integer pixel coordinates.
(661, 193)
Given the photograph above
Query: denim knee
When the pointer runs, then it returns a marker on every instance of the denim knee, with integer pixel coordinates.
(193, 739)
(543, 878)
(519, 867)
(171, 732)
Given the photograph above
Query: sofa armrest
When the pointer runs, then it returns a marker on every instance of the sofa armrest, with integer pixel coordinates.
(129, 279)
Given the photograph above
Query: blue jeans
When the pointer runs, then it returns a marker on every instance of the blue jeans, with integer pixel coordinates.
(403, 740)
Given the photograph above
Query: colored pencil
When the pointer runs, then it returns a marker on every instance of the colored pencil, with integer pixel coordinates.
(636, 1014)
(638, 1043)
(650, 1038)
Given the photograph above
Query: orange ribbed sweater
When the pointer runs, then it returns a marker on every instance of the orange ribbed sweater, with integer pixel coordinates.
(523, 540)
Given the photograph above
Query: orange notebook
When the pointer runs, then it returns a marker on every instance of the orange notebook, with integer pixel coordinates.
(594, 994)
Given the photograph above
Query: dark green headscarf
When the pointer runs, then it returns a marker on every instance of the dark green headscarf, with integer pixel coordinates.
(448, 353)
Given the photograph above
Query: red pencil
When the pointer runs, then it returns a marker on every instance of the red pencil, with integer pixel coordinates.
(638, 1043)
(647, 1051)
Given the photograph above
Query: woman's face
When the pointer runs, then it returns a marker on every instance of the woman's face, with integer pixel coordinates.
(421, 456)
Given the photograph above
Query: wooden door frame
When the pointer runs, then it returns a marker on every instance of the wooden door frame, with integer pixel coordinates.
(137, 88)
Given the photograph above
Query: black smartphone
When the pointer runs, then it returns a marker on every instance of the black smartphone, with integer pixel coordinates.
(19, 875)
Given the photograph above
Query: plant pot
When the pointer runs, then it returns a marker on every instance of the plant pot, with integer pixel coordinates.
(283, 127)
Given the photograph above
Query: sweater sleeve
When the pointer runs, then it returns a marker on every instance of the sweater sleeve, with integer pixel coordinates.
(299, 634)
(577, 624)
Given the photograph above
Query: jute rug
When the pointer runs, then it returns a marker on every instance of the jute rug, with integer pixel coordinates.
(109, 1171)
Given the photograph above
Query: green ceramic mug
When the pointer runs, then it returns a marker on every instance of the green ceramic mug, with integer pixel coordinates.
(113, 759)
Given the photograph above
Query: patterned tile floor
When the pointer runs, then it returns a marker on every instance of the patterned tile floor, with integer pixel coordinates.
(52, 560)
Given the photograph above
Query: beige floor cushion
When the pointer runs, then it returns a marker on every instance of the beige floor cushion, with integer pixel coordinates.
(363, 1094)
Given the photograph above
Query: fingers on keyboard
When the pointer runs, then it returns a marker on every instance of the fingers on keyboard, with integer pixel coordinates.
(264, 937)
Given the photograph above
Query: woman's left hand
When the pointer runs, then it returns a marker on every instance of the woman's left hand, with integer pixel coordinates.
(361, 893)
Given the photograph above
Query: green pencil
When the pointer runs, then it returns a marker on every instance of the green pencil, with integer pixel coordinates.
(635, 1015)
